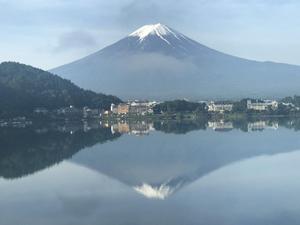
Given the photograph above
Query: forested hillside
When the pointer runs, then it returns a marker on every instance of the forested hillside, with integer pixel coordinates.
(23, 88)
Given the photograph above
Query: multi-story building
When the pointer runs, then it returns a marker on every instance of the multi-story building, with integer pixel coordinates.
(122, 108)
(135, 107)
(219, 107)
(141, 108)
(262, 105)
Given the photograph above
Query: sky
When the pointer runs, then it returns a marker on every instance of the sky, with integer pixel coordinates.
(50, 33)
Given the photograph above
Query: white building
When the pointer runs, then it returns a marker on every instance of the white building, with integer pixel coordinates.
(133, 107)
(219, 107)
(262, 105)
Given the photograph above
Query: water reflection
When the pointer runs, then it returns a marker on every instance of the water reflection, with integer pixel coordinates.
(158, 166)
(136, 127)
(151, 172)
(26, 150)
(174, 172)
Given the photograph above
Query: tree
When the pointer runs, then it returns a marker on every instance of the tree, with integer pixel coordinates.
(23, 88)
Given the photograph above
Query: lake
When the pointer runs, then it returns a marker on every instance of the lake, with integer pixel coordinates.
(151, 173)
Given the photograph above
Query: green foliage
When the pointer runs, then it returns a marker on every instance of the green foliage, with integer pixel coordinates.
(294, 100)
(240, 106)
(283, 109)
(24, 88)
(179, 106)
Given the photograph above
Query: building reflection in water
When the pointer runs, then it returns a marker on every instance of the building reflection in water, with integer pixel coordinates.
(137, 128)
(261, 125)
(220, 125)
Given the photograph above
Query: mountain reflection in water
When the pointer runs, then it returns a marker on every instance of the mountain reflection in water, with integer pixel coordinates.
(27, 150)
(179, 169)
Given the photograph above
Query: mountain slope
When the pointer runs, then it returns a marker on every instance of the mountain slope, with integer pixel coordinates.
(24, 88)
(156, 61)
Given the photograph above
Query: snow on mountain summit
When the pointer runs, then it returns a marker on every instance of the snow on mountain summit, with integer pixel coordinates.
(158, 29)
(158, 62)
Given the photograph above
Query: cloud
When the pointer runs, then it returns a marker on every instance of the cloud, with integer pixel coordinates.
(75, 40)
(136, 13)
(233, 26)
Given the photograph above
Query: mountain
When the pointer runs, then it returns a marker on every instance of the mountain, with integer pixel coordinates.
(23, 88)
(158, 62)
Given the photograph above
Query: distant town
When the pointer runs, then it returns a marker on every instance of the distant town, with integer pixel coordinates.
(152, 108)
(141, 114)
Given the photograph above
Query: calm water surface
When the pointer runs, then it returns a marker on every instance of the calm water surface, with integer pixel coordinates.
(154, 174)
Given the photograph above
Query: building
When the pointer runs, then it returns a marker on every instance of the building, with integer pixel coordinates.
(122, 108)
(113, 109)
(141, 107)
(262, 105)
(138, 109)
(219, 107)
(135, 107)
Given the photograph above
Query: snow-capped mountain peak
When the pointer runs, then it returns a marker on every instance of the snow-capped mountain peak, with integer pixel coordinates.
(158, 29)
(158, 62)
